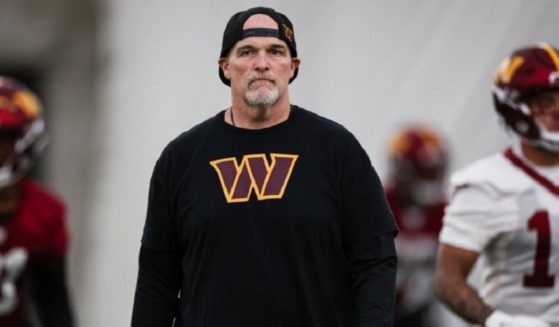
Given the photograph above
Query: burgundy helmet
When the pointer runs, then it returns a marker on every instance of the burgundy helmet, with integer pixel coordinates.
(418, 161)
(526, 72)
(20, 121)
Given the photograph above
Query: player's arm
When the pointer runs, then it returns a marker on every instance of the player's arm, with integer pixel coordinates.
(451, 287)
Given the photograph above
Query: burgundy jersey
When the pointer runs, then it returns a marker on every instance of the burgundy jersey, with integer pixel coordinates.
(35, 235)
(424, 221)
(416, 246)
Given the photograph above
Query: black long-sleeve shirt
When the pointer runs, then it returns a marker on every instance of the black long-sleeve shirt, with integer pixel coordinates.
(283, 226)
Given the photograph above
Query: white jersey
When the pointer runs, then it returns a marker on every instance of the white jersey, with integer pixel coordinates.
(508, 211)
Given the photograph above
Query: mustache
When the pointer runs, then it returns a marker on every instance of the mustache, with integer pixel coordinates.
(267, 77)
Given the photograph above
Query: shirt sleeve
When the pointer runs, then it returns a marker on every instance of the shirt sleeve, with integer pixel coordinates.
(374, 274)
(159, 275)
(369, 231)
(156, 299)
(475, 215)
(160, 231)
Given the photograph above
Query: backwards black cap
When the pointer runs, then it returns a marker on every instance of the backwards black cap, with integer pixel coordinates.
(234, 33)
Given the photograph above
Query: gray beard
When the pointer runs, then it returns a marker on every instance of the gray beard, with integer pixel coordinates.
(262, 99)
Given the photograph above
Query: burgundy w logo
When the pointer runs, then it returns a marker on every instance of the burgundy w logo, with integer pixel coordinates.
(254, 173)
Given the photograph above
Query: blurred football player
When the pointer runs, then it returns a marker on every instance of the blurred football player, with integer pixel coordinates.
(33, 234)
(418, 162)
(505, 208)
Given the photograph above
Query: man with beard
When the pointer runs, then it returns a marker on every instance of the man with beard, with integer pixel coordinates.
(266, 214)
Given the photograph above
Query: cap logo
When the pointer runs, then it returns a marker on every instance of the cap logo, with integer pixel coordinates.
(288, 32)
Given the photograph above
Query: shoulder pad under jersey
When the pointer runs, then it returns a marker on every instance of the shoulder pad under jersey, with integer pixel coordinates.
(495, 174)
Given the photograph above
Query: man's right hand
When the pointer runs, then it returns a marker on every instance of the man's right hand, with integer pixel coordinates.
(501, 319)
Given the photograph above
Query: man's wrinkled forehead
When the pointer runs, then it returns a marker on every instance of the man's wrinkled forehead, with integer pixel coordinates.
(260, 21)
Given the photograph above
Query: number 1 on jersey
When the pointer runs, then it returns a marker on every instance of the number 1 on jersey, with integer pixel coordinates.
(541, 277)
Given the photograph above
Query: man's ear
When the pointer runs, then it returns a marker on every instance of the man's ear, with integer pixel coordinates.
(224, 64)
(295, 62)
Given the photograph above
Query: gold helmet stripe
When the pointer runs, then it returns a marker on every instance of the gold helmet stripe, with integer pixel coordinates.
(508, 68)
(552, 54)
(28, 103)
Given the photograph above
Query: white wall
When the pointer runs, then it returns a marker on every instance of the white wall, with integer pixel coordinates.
(370, 65)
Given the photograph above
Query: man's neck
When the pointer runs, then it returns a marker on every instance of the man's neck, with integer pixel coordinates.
(539, 156)
(243, 116)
